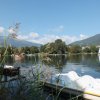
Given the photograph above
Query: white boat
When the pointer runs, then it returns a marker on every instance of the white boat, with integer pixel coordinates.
(87, 84)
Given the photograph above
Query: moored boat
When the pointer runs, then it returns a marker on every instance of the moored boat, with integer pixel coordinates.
(70, 83)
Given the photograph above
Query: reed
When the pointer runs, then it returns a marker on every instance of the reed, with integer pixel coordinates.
(30, 87)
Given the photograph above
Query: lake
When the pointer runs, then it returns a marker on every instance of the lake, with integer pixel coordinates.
(87, 64)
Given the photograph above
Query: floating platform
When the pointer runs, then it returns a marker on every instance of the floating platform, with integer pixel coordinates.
(73, 93)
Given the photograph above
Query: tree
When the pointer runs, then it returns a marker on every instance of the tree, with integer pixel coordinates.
(60, 46)
(75, 49)
(87, 50)
(57, 47)
(94, 49)
(67, 49)
(27, 50)
(34, 50)
(9, 50)
(42, 48)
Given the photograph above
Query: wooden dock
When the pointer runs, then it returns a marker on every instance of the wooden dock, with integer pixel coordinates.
(73, 93)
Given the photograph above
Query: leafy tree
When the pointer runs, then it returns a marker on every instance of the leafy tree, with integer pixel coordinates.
(34, 50)
(94, 49)
(15, 50)
(9, 50)
(27, 50)
(60, 46)
(67, 49)
(75, 49)
(87, 50)
(42, 48)
(57, 47)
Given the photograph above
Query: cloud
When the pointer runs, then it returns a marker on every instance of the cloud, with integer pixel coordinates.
(1, 29)
(30, 36)
(82, 36)
(33, 35)
(45, 38)
(23, 37)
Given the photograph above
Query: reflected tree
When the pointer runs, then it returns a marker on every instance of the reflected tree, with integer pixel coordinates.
(56, 61)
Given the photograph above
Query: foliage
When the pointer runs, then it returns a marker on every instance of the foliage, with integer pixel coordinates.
(57, 47)
(91, 49)
(87, 50)
(94, 49)
(34, 50)
(75, 49)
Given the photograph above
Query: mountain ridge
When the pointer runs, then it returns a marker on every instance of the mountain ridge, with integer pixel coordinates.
(93, 40)
(16, 42)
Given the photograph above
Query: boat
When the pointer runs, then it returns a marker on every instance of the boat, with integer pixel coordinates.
(65, 91)
(85, 86)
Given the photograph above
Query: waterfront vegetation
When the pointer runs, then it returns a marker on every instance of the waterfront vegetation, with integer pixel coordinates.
(31, 87)
(57, 47)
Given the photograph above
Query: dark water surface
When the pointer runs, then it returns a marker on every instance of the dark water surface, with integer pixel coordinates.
(82, 64)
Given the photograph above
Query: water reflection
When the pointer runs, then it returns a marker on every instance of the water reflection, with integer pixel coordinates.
(82, 64)
(58, 61)
(74, 58)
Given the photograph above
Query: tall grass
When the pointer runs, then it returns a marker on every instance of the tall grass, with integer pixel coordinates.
(3, 58)
(28, 87)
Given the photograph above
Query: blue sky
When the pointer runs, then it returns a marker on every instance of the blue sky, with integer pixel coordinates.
(44, 21)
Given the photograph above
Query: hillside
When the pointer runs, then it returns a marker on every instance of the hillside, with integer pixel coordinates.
(94, 40)
(17, 42)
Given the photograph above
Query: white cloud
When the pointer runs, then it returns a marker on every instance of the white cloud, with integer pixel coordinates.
(68, 39)
(23, 37)
(33, 35)
(82, 36)
(45, 38)
(1, 29)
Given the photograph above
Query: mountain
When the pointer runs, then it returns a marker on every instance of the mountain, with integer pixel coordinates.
(17, 42)
(94, 40)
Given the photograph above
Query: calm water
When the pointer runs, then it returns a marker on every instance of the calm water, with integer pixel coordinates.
(82, 64)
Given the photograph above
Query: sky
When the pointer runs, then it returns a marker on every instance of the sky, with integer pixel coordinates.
(44, 21)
